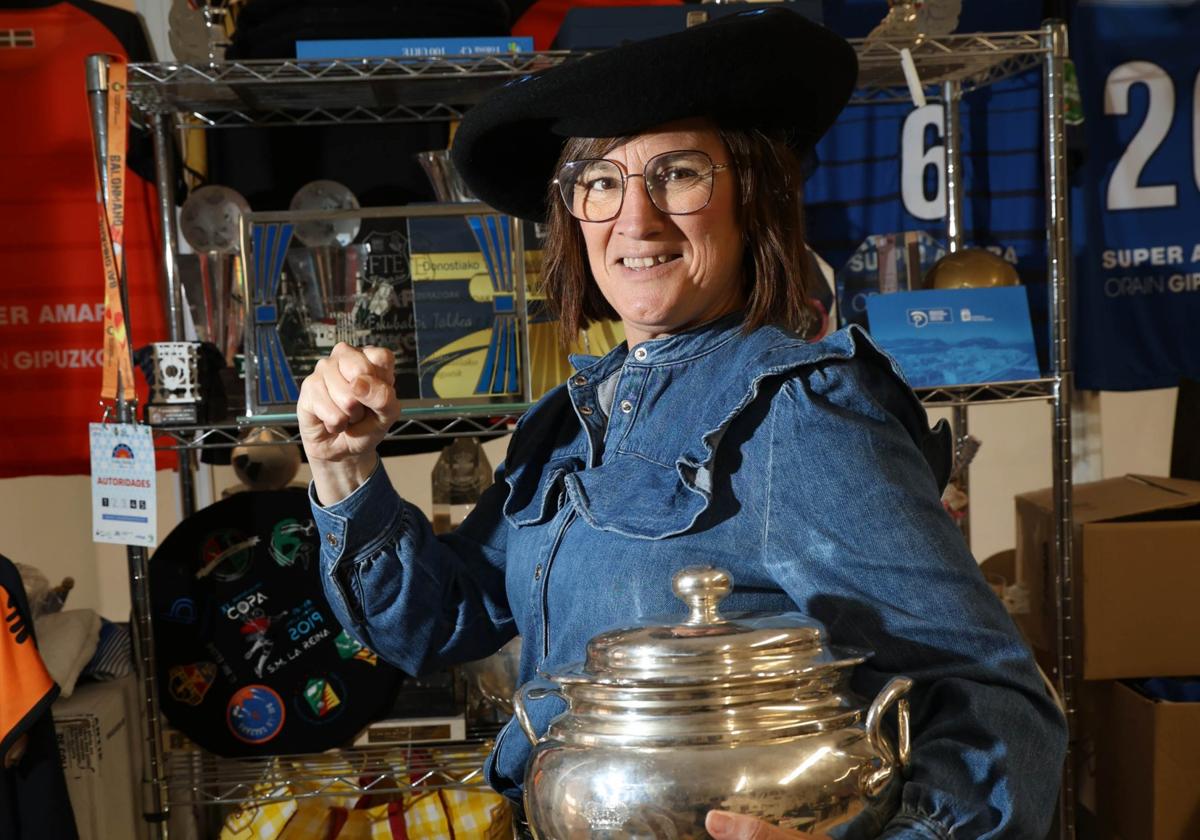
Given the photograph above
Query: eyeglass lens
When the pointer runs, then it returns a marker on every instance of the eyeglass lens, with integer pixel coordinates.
(677, 182)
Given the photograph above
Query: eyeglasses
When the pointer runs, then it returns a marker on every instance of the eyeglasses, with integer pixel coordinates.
(678, 183)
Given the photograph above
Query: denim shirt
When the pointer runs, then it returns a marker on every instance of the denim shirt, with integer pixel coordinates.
(808, 470)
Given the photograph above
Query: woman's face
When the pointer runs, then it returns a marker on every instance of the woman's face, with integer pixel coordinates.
(697, 258)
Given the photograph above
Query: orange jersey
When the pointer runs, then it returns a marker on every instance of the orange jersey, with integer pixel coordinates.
(51, 297)
(26, 689)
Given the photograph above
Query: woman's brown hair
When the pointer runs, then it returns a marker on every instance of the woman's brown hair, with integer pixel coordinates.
(777, 268)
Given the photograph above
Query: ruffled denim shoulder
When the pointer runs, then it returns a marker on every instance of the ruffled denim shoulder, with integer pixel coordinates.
(671, 464)
(547, 444)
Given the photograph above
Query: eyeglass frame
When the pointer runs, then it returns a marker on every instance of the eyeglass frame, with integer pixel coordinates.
(626, 175)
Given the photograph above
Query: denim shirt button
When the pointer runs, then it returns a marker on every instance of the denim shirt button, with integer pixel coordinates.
(626, 406)
(640, 354)
(579, 381)
(585, 410)
(332, 540)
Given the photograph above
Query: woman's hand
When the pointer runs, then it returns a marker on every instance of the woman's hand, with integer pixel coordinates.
(345, 408)
(723, 825)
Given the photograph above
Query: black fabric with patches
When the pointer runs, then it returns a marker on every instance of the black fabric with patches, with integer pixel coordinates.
(768, 69)
(250, 658)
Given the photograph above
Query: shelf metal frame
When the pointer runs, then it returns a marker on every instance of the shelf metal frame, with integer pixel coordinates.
(173, 96)
(195, 777)
(293, 92)
(229, 435)
(456, 424)
(987, 393)
(972, 61)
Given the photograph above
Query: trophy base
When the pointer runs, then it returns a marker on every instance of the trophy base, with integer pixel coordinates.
(233, 392)
(172, 415)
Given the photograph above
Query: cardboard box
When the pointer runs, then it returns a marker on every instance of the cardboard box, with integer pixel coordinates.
(97, 738)
(1147, 774)
(1136, 570)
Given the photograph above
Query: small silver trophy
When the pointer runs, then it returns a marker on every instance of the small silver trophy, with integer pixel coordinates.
(210, 221)
(329, 268)
(175, 388)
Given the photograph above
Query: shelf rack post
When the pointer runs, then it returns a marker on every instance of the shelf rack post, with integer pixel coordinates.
(153, 784)
(952, 140)
(1058, 247)
(164, 178)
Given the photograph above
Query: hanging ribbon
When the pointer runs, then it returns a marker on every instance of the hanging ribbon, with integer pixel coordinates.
(117, 361)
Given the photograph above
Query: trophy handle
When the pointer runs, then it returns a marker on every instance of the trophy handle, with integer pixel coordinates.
(892, 760)
(532, 690)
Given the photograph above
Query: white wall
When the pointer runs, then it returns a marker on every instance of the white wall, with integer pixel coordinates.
(1133, 436)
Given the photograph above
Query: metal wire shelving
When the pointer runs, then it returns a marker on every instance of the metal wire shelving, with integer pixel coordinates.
(168, 97)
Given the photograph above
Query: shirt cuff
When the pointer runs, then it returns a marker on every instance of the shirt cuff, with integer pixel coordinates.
(907, 826)
(358, 523)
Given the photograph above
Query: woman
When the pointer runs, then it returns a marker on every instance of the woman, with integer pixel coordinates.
(716, 432)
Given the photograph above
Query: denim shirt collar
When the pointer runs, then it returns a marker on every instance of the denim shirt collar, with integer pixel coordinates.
(548, 460)
(670, 349)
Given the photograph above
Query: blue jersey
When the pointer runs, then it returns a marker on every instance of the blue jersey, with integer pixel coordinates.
(882, 171)
(1136, 242)
(881, 167)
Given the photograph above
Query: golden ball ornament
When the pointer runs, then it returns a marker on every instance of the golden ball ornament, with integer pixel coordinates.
(971, 268)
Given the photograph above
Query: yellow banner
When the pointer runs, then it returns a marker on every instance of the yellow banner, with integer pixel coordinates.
(461, 265)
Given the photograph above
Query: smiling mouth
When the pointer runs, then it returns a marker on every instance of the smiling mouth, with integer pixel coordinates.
(643, 263)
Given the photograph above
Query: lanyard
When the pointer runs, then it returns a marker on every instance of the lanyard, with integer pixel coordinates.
(118, 364)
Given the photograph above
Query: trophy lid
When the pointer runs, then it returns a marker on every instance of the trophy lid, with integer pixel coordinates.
(707, 646)
(329, 197)
(210, 218)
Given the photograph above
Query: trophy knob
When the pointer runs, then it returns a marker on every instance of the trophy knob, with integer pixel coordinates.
(327, 197)
(702, 588)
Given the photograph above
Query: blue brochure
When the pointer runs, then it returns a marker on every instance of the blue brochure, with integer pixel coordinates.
(413, 47)
(956, 336)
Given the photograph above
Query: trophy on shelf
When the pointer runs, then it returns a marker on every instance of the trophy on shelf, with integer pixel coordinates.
(884, 263)
(328, 268)
(174, 377)
(448, 185)
(213, 279)
(322, 272)
(197, 31)
(209, 223)
(916, 19)
(459, 477)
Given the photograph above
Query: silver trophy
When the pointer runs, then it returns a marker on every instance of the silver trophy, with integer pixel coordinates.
(329, 268)
(210, 222)
(197, 30)
(175, 388)
(448, 185)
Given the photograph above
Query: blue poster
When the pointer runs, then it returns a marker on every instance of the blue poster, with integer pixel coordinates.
(956, 336)
(1137, 201)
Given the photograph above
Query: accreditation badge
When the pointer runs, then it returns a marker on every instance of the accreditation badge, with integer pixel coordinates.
(123, 493)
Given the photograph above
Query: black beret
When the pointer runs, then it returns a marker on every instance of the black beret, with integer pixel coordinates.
(769, 69)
